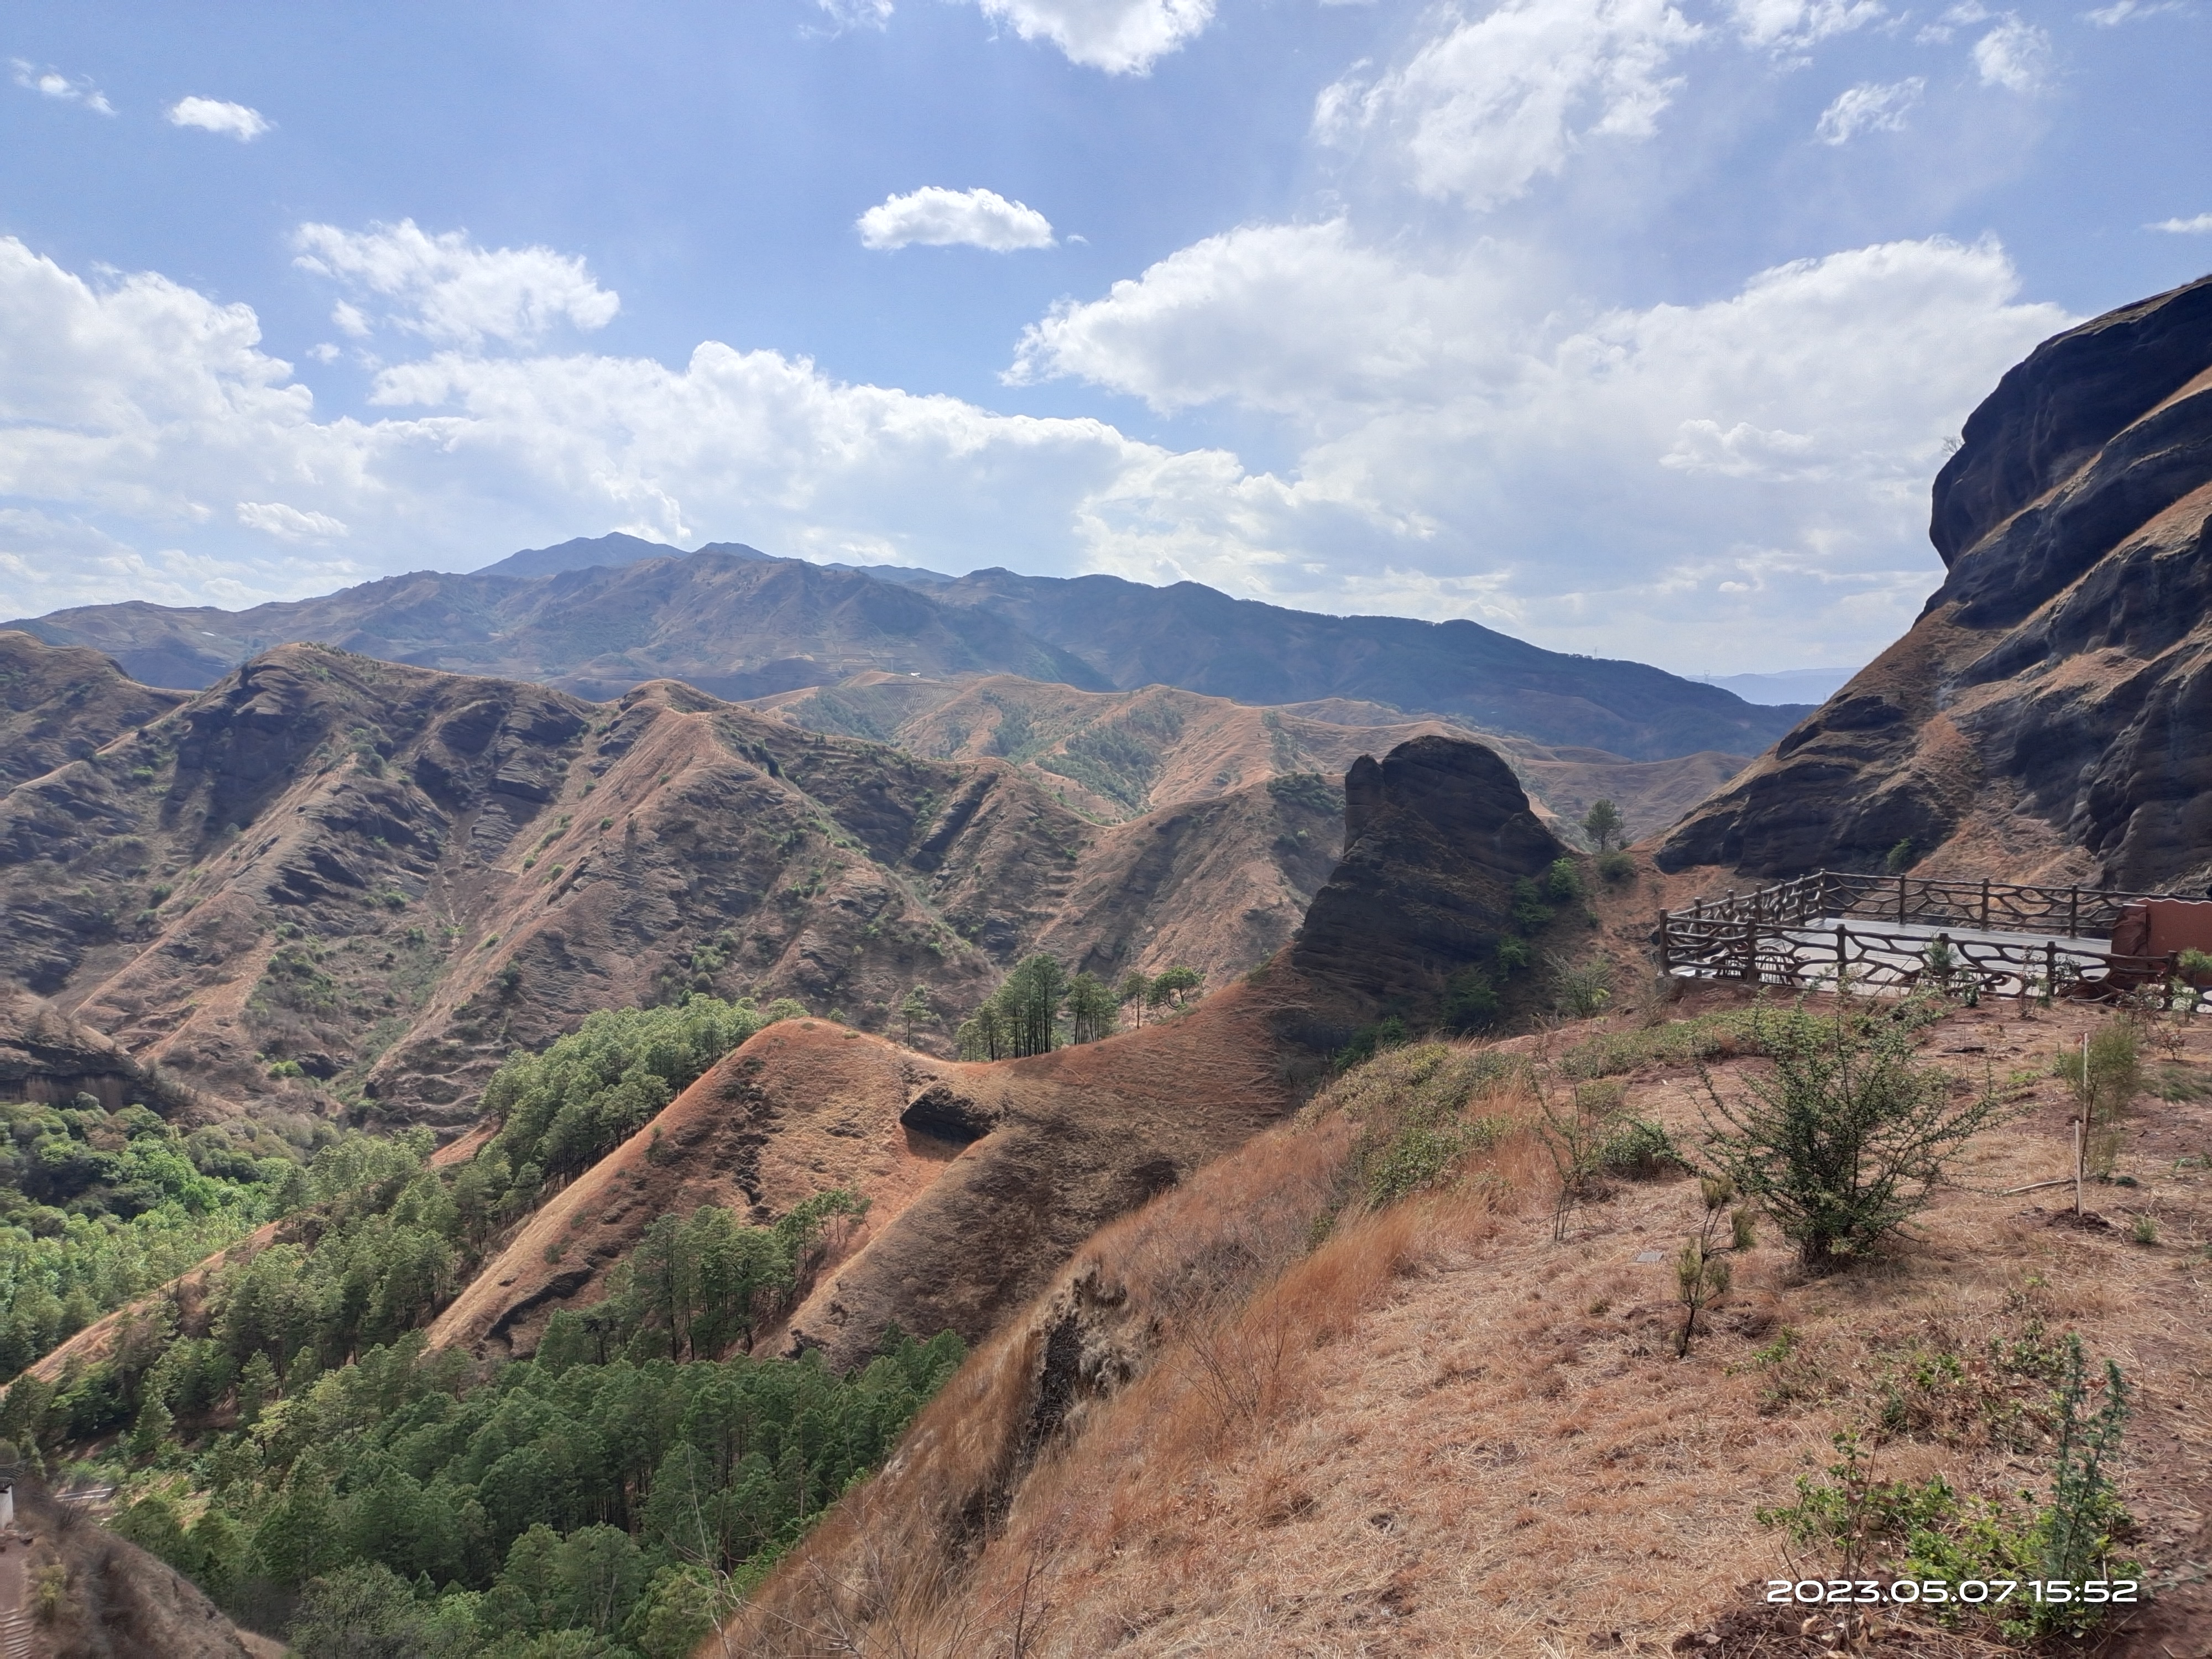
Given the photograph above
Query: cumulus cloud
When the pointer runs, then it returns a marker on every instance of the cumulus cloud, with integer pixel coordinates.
(936, 217)
(1464, 443)
(449, 291)
(1870, 107)
(214, 115)
(1283, 316)
(1793, 25)
(1765, 439)
(2014, 55)
(1486, 107)
(53, 83)
(1122, 37)
(2196, 226)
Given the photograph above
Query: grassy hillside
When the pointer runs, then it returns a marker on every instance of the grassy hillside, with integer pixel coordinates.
(1367, 1385)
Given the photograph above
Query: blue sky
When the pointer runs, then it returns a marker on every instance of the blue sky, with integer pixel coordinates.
(1629, 327)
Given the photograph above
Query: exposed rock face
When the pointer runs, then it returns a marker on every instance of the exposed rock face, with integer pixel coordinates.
(1435, 836)
(2050, 713)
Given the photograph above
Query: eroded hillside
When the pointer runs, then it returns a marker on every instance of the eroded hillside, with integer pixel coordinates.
(381, 879)
(1113, 754)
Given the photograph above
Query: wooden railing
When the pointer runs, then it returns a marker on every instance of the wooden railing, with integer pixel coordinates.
(1830, 928)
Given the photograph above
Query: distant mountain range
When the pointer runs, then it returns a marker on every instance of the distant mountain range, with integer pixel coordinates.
(1790, 685)
(598, 616)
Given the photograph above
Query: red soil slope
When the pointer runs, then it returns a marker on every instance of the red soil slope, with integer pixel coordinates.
(958, 1234)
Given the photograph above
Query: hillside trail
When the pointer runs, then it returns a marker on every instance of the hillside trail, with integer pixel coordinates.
(17, 1639)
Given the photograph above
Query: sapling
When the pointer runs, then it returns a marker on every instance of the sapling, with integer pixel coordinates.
(1702, 1273)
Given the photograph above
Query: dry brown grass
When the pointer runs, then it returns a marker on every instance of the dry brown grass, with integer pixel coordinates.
(1440, 1432)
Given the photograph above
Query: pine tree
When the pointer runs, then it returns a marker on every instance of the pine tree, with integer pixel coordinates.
(1604, 826)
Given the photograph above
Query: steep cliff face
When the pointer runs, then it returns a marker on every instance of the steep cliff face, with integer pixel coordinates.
(2050, 713)
(1435, 836)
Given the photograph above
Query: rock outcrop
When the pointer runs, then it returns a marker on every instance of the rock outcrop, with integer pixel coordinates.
(1435, 836)
(2050, 714)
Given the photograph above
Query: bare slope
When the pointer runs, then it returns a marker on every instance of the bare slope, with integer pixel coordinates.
(982, 1177)
(389, 876)
(2044, 718)
(61, 705)
(1112, 754)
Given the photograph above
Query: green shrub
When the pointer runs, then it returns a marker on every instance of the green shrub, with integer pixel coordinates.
(1616, 867)
(1845, 1138)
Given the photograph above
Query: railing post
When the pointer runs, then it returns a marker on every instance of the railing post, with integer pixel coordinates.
(1900, 898)
(2051, 969)
(1986, 903)
(1843, 956)
(2074, 913)
(1666, 944)
(1751, 950)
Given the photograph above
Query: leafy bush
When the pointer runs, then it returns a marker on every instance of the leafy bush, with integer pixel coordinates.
(1581, 989)
(1616, 866)
(1847, 1137)
(1943, 1535)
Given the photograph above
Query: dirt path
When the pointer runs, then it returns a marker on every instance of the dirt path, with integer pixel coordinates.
(17, 1640)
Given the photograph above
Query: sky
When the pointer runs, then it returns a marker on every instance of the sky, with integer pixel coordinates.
(1636, 328)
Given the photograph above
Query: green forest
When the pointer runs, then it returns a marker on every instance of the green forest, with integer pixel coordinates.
(284, 1438)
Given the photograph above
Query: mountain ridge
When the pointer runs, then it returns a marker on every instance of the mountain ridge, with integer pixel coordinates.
(740, 624)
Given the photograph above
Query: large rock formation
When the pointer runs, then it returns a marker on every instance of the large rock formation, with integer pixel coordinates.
(2050, 711)
(1435, 836)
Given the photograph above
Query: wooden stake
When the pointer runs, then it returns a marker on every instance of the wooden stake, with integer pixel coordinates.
(2077, 1167)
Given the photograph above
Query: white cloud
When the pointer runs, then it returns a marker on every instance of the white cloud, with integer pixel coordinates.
(858, 14)
(2196, 226)
(936, 217)
(1963, 16)
(53, 83)
(1793, 25)
(1464, 443)
(1284, 318)
(351, 320)
(1593, 477)
(214, 115)
(1870, 107)
(1122, 37)
(290, 523)
(2128, 11)
(1486, 107)
(452, 292)
(2014, 55)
